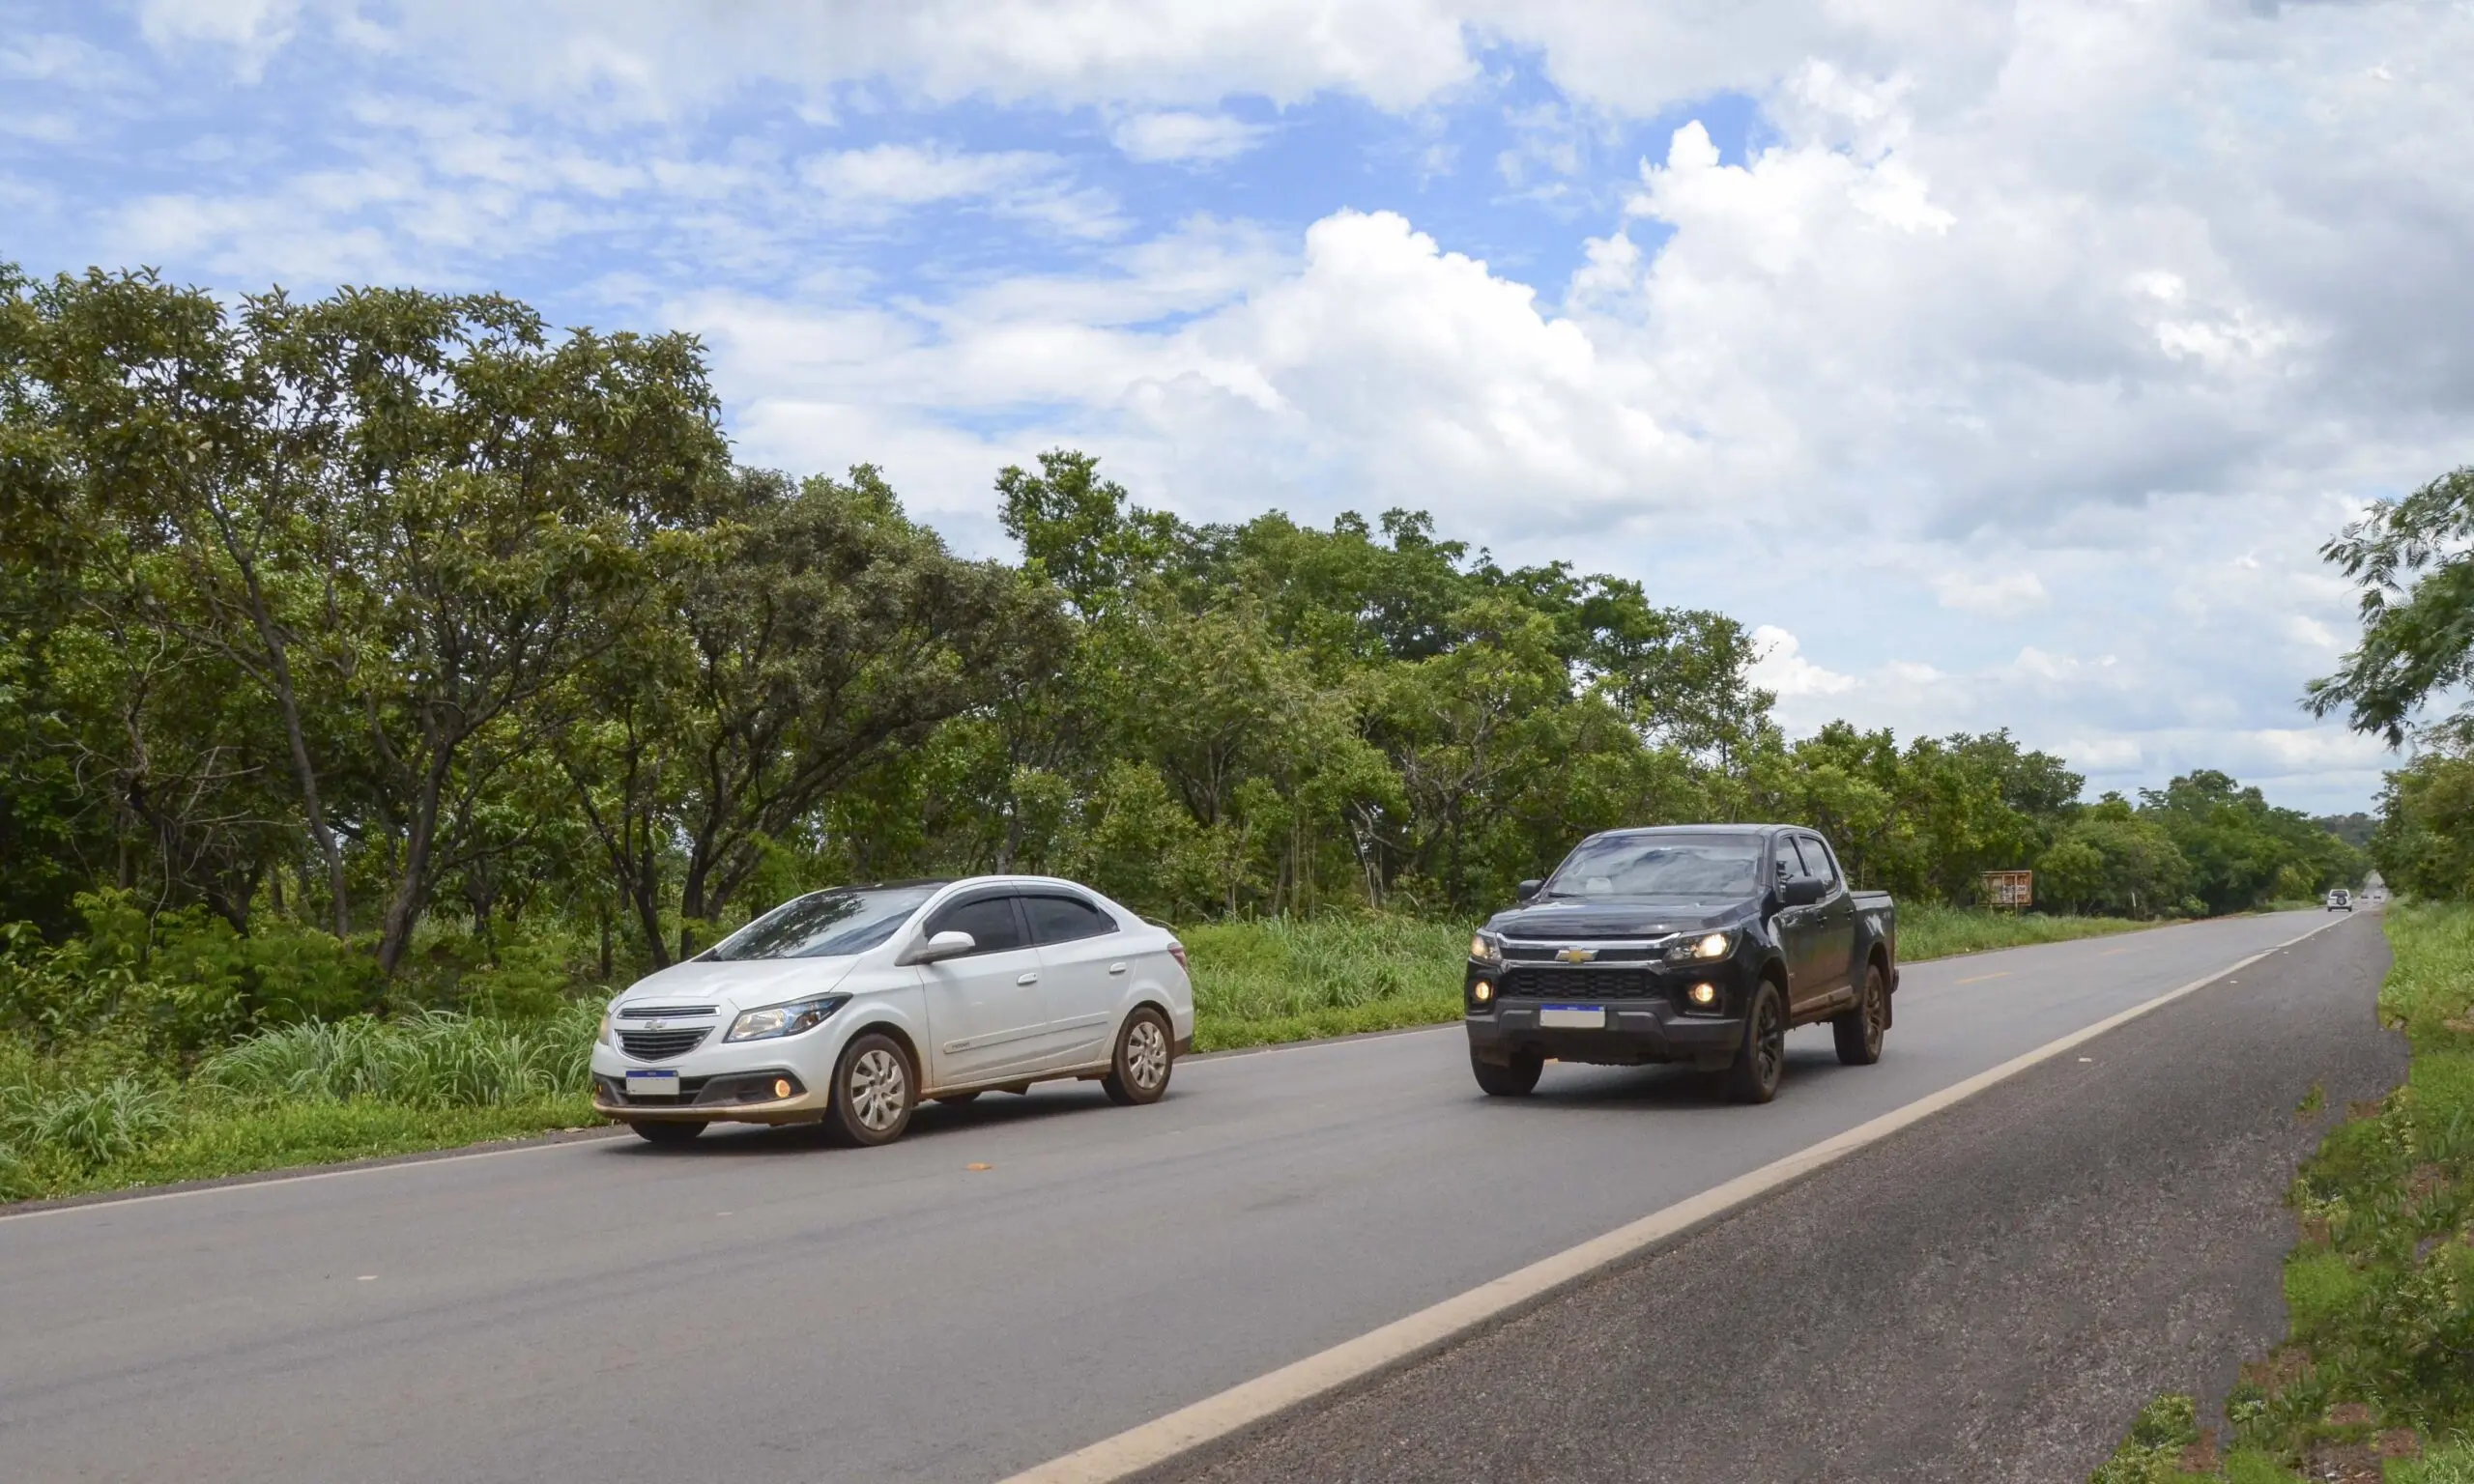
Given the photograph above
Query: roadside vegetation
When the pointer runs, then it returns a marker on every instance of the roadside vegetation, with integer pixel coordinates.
(389, 660)
(2378, 1373)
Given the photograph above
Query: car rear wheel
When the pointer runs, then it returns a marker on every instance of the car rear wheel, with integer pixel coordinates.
(873, 1092)
(1859, 1031)
(666, 1132)
(1138, 1073)
(1761, 1060)
(1515, 1078)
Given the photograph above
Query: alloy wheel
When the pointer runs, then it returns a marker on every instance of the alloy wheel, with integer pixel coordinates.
(1146, 1054)
(876, 1089)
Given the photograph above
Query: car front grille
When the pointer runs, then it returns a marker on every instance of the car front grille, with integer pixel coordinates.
(1579, 983)
(662, 1045)
(665, 1011)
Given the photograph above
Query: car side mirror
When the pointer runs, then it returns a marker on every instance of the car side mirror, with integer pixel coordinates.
(944, 945)
(1529, 889)
(1802, 891)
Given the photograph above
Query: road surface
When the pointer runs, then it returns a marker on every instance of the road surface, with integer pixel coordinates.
(758, 1307)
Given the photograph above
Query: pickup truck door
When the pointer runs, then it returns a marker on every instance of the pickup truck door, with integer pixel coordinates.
(1793, 925)
(1833, 932)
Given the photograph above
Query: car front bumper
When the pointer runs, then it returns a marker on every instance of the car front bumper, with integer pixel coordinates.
(1634, 1033)
(728, 1081)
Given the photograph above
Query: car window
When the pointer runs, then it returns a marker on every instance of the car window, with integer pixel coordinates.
(824, 925)
(1064, 918)
(1817, 861)
(1790, 865)
(990, 921)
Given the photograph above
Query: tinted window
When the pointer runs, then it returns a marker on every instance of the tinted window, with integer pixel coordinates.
(1063, 919)
(1658, 866)
(1790, 865)
(990, 921)
(824, 925)
(1817, 861)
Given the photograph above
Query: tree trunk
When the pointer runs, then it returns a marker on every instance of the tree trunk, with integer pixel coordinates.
(404, 909)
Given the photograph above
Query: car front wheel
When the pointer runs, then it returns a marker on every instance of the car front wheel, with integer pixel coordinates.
(873, 1092)
(1762, 1058)
(1515, 1078)
(1138, 1073)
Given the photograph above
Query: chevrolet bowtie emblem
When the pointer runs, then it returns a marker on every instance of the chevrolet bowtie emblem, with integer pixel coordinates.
(657, 1025)
(1577, 955)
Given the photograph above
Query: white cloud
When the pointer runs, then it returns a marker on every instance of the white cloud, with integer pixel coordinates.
(250, 30)
(1182, 137)
(1997, 595)
(1783, 670)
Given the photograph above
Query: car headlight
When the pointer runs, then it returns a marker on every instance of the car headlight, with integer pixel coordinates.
(1487, 948)
(601, 1037)
(1702, 949)
(785, 1019)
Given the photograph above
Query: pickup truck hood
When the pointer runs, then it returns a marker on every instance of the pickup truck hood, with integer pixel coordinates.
(738, 986)
(1601, 917)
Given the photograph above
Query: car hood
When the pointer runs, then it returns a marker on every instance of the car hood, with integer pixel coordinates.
(738, 986)
(1600, 918)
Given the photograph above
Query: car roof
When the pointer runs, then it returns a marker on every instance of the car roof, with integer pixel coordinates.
(1701, 829)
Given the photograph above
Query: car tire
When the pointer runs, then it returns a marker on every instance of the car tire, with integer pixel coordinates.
(1515, 1078)
(875, 1092)
(665, 1132)
(956, 1099)
(1761, 1061)
(1146, 1053)
(1858, 1032)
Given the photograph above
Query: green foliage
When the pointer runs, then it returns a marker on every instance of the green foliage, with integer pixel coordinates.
(431, 1060)
(1929, 931)
(2412, 561)
(2152, 1453)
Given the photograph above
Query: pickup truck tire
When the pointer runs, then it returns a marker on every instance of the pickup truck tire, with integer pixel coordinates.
(1753, 1076)
(1516, 1078)
(1859, 1031)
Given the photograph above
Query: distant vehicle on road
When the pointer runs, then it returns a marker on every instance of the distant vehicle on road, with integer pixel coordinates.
(2340, 901)
(1690, 943)
(850, 1005)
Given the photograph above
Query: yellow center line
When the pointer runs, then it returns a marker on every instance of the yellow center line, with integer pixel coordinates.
(2109, 953)
(1981, 977)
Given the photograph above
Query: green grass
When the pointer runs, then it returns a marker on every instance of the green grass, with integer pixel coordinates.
(321, 1091)
(2381, 1288)
(1929, 931)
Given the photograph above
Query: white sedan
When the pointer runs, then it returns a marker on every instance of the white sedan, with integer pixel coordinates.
(850, 1005)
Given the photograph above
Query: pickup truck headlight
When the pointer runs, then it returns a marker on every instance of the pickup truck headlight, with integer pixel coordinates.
(1702, 949)
(785, 1019)
(1487, 948)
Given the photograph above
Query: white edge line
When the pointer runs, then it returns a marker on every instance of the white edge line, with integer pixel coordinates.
(1214, 1418)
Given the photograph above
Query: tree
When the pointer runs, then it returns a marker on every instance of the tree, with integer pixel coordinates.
(2414, 560)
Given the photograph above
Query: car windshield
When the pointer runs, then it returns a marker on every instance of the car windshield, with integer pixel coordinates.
(1659, 866)
(824, 925)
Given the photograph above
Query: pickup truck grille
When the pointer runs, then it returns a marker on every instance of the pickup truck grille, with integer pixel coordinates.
(662, 1045)
(1578, 984)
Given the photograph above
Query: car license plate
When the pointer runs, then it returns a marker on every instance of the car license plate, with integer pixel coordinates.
(1572, 1017)
(652, 1084)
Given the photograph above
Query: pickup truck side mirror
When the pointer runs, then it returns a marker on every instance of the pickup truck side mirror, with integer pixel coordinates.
(1801, 891)
(944, 945)
(1529, 889)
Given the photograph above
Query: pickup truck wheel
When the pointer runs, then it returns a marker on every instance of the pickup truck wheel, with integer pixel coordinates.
(1138, 1073)
(1762, 1058)
(1859, 1031)
(666, 1132)
(874, 1093)
(1518, 1078)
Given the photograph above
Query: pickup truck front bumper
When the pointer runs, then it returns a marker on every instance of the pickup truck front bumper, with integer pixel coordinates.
(1634, 1033)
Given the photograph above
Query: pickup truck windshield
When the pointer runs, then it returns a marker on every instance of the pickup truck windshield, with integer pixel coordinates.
(824, 925)
(1659, 866)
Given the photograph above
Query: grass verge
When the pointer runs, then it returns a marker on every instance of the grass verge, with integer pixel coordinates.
(2377, 1381)
(325, 1092)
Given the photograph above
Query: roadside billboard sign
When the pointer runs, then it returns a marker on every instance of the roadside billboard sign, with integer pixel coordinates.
(2012, 889)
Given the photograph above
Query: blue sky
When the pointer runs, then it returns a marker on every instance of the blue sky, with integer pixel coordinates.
(2005, 364)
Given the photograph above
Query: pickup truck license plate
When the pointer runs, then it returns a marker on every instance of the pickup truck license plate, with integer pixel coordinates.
(652, 1084)
(1572, 1017)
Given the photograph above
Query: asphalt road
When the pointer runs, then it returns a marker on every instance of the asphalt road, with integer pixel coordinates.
(1987, 1296)
(758, 1307)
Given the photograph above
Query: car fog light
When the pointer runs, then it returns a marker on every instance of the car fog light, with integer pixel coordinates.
(1705, 994)
(1482, 991)
(781, 1087)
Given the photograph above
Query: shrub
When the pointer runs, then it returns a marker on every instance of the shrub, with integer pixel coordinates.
(91, 1127)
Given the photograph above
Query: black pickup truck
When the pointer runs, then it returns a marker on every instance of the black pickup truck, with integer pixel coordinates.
(1690, 943)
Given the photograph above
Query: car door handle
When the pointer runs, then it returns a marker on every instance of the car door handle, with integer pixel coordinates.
(1028, 979)
(1116, 968)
